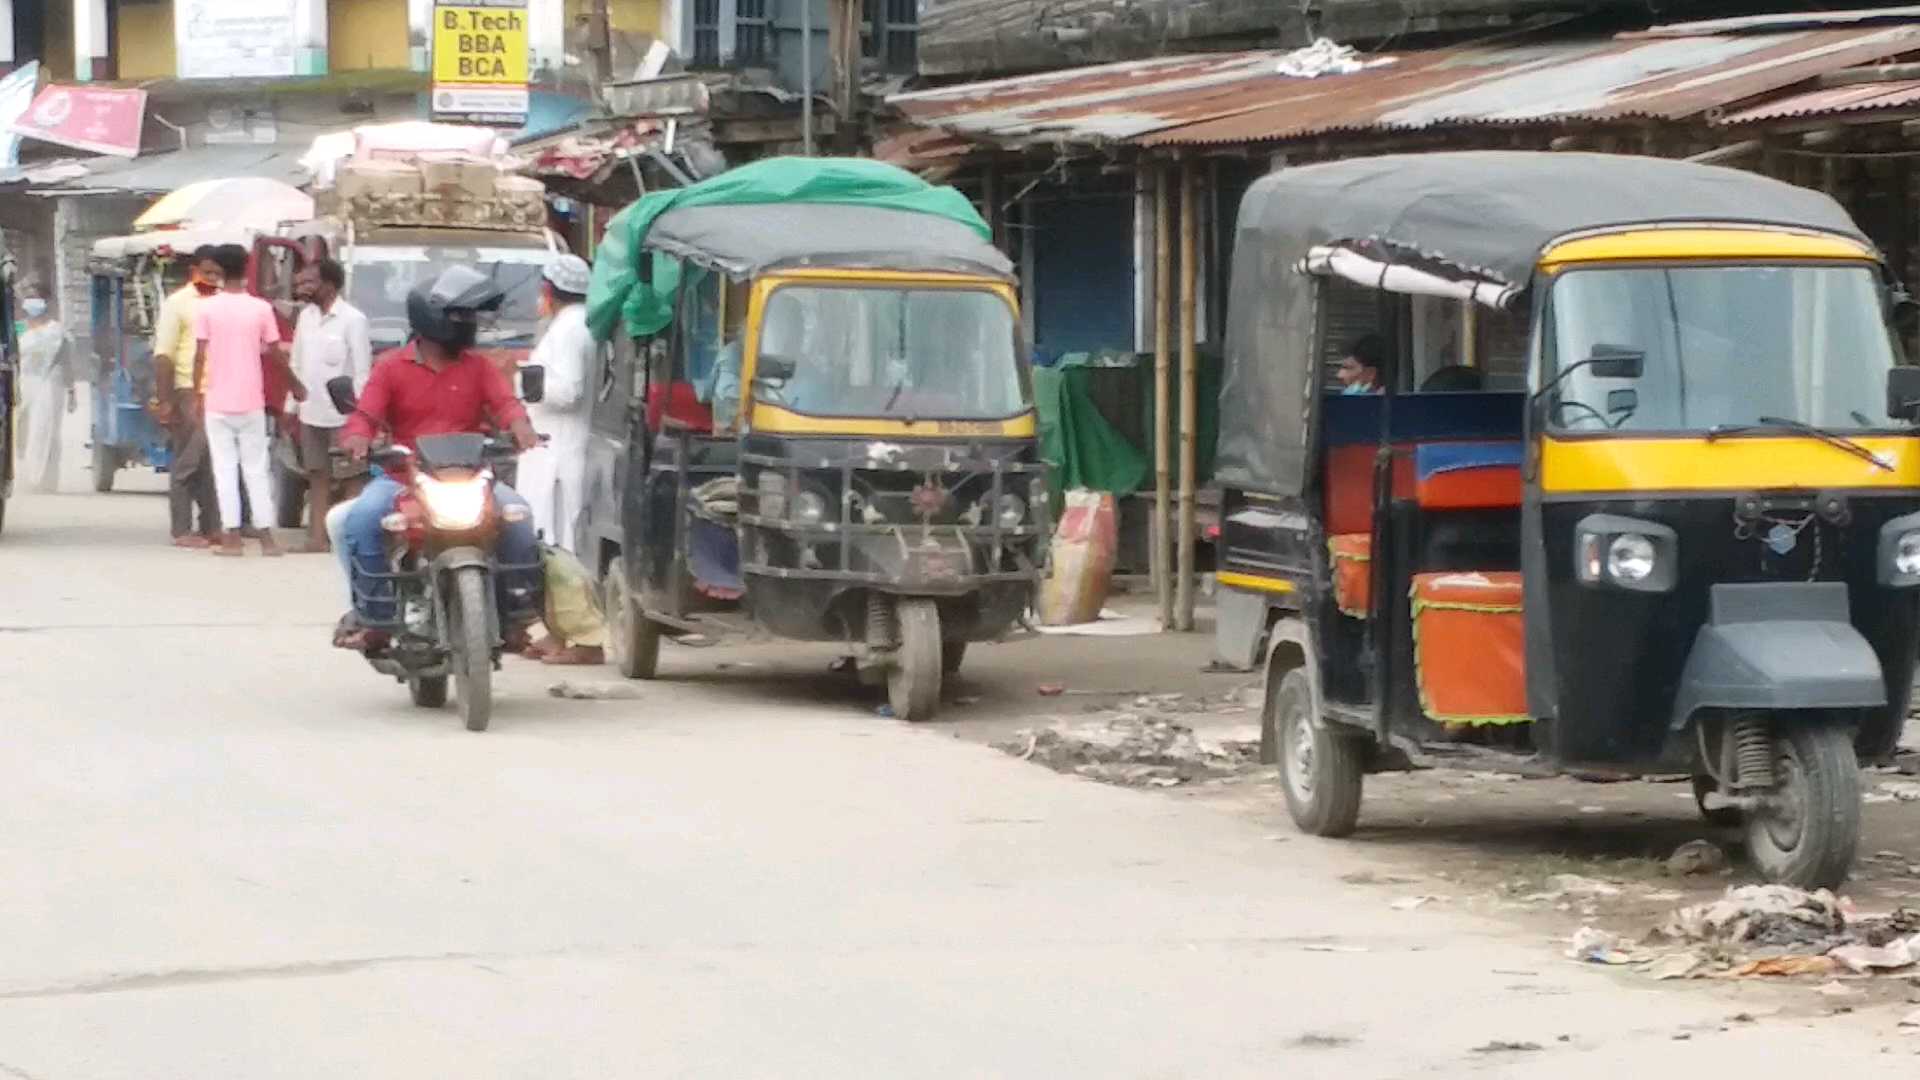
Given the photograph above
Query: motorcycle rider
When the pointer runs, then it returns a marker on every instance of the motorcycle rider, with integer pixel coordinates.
(436, 384)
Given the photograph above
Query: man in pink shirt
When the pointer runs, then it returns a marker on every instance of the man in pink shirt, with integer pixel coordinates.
(238, 334)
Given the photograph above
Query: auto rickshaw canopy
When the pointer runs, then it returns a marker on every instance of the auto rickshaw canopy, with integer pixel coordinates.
(1472, 225)
(848, 212)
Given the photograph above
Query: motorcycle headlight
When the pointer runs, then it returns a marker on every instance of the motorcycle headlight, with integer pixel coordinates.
(1009, 511)
(1630, 557)
(454, 504)
(809, 508)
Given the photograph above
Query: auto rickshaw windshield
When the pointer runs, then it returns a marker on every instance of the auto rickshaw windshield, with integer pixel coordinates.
(1723, 345)
(925, 353)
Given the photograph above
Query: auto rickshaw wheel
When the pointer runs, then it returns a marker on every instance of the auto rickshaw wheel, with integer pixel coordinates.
(1321, 773)
(633, 638)
(913, 679)
(1806, 831)
(106, 462)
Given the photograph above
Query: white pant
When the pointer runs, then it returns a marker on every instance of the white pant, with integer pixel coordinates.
(236, 444)
(553, 482)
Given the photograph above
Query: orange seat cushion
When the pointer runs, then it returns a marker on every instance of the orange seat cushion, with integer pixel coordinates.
(1352, 573)
(1469, 651)
(1489, 488)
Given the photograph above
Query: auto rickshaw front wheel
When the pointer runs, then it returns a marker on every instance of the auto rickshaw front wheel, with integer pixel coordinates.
(914, 676)
(1321, 772)
(1804, 832)
(632, 638)
(106, 462)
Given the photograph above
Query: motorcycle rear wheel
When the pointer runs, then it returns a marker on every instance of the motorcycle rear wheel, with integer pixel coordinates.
(472, 647)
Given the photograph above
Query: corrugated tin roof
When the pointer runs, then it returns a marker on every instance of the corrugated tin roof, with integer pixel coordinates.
(1866, 97)
(1242, 98)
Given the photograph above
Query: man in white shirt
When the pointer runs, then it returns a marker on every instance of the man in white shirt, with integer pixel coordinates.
(329, 340)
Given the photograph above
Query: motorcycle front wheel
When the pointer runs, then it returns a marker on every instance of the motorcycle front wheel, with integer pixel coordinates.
(472, 647)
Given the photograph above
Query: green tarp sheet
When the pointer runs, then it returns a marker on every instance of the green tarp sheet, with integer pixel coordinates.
(1085, 449)
(617, 293)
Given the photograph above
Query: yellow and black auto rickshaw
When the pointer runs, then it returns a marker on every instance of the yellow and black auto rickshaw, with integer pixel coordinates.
(1666, 518)
(832, 437)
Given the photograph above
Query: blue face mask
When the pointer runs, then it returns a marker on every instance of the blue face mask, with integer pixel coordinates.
(34, 307)
(1355, 390)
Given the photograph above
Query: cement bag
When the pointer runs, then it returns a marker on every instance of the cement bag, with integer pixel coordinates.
(573, 605)
(1083, 548)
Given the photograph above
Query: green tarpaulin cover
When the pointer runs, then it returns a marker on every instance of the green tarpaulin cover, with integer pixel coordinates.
(1079, 446)
(617, 293)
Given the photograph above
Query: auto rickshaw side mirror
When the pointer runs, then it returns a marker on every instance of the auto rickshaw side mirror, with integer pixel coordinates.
(340, 392)
(533, 383)
(774, 369)
(1903, 393)
(1617, 361)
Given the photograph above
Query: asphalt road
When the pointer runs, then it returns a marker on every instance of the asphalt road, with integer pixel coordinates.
(234, 852)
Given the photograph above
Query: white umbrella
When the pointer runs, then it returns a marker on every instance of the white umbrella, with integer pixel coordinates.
(239, 200)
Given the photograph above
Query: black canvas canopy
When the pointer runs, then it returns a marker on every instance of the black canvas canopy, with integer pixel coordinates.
(1477, 217)
(750, 238)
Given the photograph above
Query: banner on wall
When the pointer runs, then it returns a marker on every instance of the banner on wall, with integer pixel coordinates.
(104, 120)
(235, 39)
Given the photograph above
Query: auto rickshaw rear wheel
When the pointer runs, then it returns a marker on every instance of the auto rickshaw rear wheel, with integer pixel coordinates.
(1322, 773)
(1807, 829)
(913, 679)
(633, 638)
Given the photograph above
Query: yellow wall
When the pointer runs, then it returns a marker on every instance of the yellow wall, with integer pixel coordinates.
(633, 16)
(58, 43)
(364, 34)
(144, 41)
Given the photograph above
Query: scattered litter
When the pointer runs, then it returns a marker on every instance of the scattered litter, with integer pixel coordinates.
(1676, 966)
(1573, 885)
(1762, 915)
(1334, 948)
(1050, 689)
(1368, 877)
(1326, 57)
(1501, 1046)
(1696, 857)
(1138, 751)
(1903, 790)
(1787, 966)
(1874, 798)
(1835, 988)
(1408, 903)
(1865, 959)
(1593, 946)
(593, 691)
(1275, 837)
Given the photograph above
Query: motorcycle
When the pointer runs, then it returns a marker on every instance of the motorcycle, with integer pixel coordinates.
(442, 595)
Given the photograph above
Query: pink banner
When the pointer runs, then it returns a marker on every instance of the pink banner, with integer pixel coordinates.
(101, 119)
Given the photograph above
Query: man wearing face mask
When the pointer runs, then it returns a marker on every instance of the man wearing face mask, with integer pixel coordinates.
(1359, 370)
(190, 479)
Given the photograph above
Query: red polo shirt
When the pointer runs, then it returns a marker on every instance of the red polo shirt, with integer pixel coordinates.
(411, 399)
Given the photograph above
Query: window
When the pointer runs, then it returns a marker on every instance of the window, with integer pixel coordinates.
(706, 33)
(752, 32)
(890, 33)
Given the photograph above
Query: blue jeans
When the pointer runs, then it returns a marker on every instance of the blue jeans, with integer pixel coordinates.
(365, 552)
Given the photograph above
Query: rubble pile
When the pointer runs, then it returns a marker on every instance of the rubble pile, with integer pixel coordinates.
(1772, 930)
(1137, 749)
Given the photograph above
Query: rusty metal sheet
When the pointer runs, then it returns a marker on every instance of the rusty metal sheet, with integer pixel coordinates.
(1866, 97)
(1242, 98)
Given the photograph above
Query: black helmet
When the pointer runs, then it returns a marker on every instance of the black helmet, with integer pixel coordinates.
(446, 311)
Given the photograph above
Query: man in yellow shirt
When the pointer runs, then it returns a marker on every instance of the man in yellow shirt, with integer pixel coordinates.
(190, 480)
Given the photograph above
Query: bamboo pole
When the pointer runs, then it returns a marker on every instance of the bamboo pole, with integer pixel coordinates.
(1162, 530)
(1189, 388)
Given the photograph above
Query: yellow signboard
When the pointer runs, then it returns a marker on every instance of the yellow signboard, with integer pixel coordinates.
(480, 43)
(480, 64)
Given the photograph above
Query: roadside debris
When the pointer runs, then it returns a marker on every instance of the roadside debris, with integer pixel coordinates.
(593, 691)
(1765, 931)
(1133, 750)
(1502, 1046)
(1697, 857)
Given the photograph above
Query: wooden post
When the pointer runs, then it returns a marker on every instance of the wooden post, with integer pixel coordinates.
(1162, 531)
(1189, 389)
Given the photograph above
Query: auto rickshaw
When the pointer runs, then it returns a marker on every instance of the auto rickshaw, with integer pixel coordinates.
(878, 483)
(1670, 525)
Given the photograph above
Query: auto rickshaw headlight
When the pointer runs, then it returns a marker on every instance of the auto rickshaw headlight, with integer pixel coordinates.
(809, 508)
(1900, 552)
(1626, 553)
(1631, 557)
(1010, 511)
(1906, 555)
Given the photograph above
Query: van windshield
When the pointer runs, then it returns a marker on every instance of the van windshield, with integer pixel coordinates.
(930, 353)
(1724, 345)
(383, 274)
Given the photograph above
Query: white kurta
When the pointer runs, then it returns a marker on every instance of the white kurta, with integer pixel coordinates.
(45, 374)
(553, 477)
